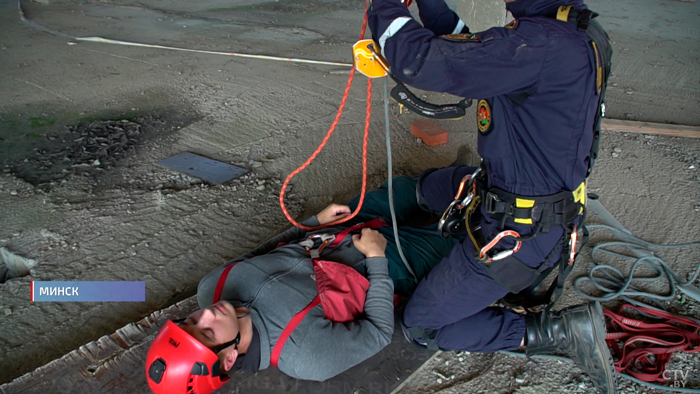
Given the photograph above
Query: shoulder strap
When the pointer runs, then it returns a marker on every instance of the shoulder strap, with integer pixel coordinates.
(374, 223)
(277, 350)
(222, 281)
(585, 21)
(603, 53)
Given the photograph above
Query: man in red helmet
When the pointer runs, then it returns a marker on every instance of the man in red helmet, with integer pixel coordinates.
(248, 303)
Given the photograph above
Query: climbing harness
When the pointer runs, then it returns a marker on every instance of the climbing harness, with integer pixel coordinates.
(342, 290)
(564, 209)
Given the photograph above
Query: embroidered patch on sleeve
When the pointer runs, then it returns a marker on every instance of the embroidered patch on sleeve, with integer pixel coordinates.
(512, 25)
(483, 117)
(467, 37)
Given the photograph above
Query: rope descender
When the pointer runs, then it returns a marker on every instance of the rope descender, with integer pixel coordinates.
(502, 254)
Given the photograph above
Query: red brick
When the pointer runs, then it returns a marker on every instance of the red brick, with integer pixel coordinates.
(429, 132)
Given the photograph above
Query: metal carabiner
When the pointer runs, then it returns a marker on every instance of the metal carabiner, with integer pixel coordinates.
(309, 243)
(503, 254)
(469, 181)
(457, 207)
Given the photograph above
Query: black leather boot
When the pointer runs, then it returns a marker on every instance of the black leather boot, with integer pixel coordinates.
(579, 332)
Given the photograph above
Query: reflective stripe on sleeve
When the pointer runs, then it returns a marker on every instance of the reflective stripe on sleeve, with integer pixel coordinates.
(395, 26)
(459, 27)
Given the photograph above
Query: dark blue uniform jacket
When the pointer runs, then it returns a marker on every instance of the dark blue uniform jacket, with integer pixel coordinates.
(536, 77)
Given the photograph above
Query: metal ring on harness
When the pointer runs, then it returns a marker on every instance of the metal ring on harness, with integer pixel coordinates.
(310, 242)
(503, 254)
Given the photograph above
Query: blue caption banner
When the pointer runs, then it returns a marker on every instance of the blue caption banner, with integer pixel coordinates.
(74, 291)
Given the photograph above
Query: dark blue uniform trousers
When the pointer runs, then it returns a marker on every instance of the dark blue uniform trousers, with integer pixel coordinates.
(454, 297)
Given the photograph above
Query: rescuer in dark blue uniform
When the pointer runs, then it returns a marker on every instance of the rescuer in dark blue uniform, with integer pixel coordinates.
(538, 82)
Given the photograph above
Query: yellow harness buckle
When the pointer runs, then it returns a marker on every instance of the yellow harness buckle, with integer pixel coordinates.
(563, 12)
(523, 203)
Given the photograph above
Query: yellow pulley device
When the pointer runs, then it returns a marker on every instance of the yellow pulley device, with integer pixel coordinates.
(366, 59)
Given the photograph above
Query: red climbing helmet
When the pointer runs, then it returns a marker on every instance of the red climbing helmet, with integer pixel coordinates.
(177, 363)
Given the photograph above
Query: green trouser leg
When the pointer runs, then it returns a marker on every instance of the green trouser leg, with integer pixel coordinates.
(423, 247)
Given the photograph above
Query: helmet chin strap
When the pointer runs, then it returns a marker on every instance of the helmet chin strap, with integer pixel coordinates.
(223, 346)
(235, 341)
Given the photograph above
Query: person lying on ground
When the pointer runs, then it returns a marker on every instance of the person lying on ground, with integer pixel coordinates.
(248, 303)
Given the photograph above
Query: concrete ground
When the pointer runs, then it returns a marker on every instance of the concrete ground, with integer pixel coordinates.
(66, 217)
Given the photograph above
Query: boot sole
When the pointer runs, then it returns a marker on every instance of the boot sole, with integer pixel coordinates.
(598, 319)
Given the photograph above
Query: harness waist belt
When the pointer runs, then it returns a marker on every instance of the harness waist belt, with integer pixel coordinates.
(556, 209)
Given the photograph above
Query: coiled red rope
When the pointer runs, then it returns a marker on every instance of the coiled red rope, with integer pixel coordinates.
(323, 144)
(643, 350)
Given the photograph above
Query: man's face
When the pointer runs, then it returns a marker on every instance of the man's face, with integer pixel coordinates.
(212, 326)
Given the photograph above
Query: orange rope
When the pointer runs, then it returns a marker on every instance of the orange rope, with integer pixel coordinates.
(323, 144)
